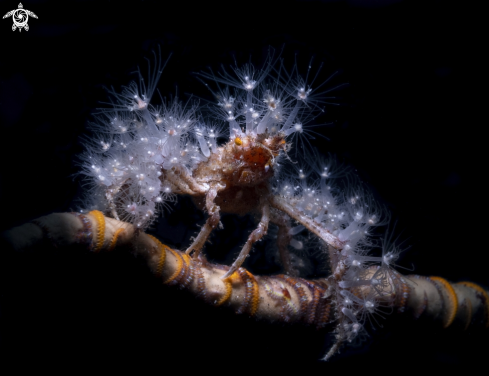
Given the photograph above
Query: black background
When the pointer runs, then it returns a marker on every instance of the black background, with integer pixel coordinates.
(407, 123)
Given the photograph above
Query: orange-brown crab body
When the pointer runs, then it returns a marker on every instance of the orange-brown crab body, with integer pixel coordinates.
(243, 168)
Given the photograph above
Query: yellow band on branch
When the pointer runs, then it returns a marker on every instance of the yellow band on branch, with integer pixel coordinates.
(161, 261)
(228, 289)
(255, 295)
(452, 297)
(114, 239)
(179, 266)
(100, 219)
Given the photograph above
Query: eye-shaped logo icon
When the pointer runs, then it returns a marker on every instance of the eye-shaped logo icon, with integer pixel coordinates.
(20, 17)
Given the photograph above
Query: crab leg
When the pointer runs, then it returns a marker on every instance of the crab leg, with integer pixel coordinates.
(211, 223)
(283, 239)
(175, 180)
(307, 222)
(256, 235)
(188, 179)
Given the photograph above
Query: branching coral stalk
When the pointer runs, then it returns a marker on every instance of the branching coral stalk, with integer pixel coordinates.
(281, 298)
